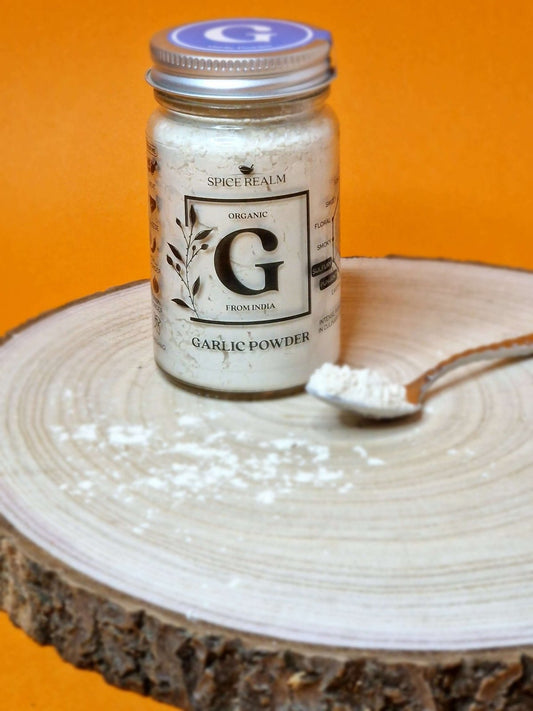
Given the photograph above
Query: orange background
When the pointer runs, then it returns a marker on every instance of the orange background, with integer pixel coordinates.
(435, 100)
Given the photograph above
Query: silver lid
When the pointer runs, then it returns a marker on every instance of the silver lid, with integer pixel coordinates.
(241, 59)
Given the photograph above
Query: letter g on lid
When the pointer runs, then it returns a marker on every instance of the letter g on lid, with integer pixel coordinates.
(239, 33)
(234, 36)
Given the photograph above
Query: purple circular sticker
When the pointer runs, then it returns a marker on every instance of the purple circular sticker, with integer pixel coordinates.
(245, 35)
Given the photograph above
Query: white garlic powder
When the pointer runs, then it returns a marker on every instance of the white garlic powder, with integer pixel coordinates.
(370, 389)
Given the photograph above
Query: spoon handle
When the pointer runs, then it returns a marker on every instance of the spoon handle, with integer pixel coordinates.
(510, 348)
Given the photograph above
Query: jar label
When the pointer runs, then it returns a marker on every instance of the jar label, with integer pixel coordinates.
(244, 251)
(242, 261)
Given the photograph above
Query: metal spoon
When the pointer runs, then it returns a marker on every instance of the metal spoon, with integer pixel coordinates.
(395, 400)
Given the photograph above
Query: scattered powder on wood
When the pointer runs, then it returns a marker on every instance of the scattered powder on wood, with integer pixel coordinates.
(133, 461)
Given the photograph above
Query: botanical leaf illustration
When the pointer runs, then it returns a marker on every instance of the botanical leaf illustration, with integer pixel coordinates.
(203, 234)
(182, 265)
(180, 302)
(176, 253)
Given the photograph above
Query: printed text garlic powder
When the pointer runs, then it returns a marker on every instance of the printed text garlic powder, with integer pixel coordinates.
(243, 193)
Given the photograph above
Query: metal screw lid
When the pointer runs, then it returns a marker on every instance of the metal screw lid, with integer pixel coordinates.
(241, 59)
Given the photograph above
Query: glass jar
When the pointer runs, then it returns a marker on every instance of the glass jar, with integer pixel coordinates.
(243, 199)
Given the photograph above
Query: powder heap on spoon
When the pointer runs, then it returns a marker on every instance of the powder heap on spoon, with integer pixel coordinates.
(361, 390)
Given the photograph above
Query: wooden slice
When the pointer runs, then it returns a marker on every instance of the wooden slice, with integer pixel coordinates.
(279, 554)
